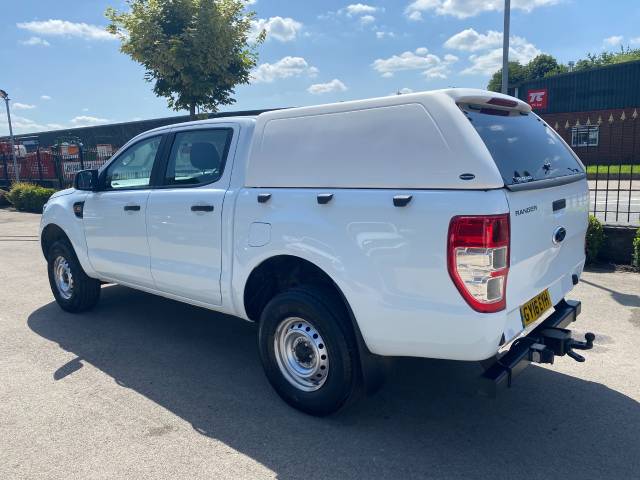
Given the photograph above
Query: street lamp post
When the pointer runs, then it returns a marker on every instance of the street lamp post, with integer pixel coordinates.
(6, 99)
(505, 47)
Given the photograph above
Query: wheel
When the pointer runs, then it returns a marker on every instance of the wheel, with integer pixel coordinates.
(308, 350)
(72, 288)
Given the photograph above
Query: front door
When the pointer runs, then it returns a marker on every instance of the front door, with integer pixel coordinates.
(184, 215)
(115, 216)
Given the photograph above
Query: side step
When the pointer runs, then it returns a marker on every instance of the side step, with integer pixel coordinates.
(541, 345)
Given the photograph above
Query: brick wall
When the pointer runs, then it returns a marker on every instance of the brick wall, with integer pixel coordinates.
(619, 141)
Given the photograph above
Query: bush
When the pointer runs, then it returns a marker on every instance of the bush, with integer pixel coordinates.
(4, 201)
(595, 239)
(635, 261)
(28, 197)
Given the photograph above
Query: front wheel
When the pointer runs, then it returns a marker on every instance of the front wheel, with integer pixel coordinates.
(308, 350)
(72, 288)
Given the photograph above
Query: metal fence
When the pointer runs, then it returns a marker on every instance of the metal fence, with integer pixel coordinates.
(615, 193)
(53, 167)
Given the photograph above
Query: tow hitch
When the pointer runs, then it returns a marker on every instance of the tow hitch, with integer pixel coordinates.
(559, 341)
(542, 345)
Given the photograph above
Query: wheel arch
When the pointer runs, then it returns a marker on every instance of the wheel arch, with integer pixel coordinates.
(281, 272)
(51, 234)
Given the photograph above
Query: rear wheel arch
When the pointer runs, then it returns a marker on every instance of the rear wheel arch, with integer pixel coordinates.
(280, 273)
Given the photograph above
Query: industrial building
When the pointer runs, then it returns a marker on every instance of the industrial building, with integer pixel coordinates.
(596, 111)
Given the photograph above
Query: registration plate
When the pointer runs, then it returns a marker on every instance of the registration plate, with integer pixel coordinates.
(534, 308)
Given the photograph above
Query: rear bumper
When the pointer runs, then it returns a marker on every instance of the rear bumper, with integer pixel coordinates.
(541, 345)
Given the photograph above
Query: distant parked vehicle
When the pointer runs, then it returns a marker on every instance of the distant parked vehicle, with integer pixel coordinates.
(447, 224)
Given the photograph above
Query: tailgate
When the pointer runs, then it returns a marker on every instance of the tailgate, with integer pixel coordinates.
(540, 259)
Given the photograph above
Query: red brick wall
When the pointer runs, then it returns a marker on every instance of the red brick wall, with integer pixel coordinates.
(619, 139)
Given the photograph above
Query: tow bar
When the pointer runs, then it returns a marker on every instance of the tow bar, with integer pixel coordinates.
(541, 345)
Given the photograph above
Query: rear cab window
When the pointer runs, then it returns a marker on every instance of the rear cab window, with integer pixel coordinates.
(523, 147)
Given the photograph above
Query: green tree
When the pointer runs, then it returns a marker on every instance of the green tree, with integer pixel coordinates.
(517, 74)
(543, 66)
(196, 51)
(607, 58)
(547, 66)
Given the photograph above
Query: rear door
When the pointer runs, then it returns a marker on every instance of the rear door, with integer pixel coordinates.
(184, 214)
(547, 192)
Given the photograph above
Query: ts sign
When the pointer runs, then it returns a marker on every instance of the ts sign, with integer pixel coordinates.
(538, 98)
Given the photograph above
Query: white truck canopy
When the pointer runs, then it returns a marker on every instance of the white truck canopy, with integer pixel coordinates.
(413, 141)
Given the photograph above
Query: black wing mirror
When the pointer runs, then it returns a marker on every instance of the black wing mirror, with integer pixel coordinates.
(86, 180)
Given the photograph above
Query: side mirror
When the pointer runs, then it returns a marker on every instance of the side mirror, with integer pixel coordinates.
(86, 180)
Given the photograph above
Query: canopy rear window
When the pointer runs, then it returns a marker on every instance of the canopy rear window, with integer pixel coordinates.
(522, 146)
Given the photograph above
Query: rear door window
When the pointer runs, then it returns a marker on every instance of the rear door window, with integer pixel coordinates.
(523, 147)
(198, 157)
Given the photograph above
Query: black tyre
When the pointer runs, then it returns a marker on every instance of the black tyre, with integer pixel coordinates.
(308, 350)
(72, 288)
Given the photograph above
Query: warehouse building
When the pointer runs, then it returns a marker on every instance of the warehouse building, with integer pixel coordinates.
(596, 111)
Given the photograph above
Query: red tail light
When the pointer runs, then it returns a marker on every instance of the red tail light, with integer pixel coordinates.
(478, 259)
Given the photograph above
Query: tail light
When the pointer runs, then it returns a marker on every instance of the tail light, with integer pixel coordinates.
(478, 259)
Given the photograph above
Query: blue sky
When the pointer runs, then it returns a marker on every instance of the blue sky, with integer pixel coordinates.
(62, 70)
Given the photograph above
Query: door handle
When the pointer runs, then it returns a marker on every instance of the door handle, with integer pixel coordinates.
(202, 208)
(132, 208)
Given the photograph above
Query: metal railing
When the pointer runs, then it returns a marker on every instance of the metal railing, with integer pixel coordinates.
(53, 167)
(615, 193)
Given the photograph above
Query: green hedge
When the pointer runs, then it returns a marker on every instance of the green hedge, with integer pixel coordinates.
(636, 250)
(4, 201)
(28, 197)
(595, 239)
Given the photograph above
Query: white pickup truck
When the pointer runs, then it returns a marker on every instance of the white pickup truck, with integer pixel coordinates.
(446, 224)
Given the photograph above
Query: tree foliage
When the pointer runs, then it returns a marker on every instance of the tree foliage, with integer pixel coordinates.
(517, 74)
(547, 66)
(195, 51)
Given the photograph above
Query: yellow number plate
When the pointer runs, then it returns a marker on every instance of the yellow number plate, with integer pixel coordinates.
(534, 308)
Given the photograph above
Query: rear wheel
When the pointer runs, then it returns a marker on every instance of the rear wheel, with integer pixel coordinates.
(72, 288)
(308, 350)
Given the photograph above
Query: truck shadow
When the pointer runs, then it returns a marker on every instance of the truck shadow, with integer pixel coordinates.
(426, 421)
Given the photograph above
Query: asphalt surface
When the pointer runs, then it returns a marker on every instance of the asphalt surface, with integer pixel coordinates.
(144, 387)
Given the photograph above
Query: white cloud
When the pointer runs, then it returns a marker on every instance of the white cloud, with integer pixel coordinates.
(471, 41)
(282, 29)
(367, 19)
(402, 91)
(613, 40)
(634, 41)
(334, 85)
(35, 41)
(87, 120)
(356, 9)
(45, 97)
(490, 44)
(23, 106)
(431, 66)
(64, 28)
(468, 8)
(284, 68)
(21, 124)
(381, 34)
(487, 63)
(55, 126)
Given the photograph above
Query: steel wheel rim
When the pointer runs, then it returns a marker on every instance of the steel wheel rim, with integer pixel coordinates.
(63, 277)
(301, 354)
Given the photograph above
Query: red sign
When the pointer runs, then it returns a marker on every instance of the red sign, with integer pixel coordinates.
(538, 98)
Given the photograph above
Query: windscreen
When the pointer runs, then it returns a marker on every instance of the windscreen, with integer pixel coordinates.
(522, 146)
